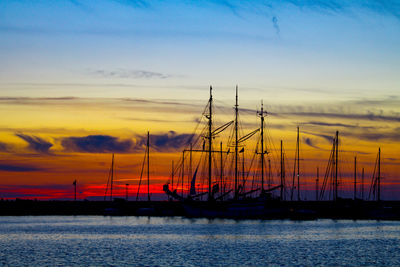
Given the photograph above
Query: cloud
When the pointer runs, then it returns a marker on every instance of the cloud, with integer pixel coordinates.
(81, 6)
(230, 5)
(36, 144)
(364, 133)
(37, 100)
(384, 7)
(159, 102)
(134, 3)
(333, 5)
(241, 9)
(106, 144)
(170, 141)
(393, 135)
(319, 123)
(159, 120)
(4, 147)
(324, 136)
(348, 113)
(275, 24)
(96, 144)
(369, 116)
(308, 141)
(18, 168)
(391, 100)
(132, 74)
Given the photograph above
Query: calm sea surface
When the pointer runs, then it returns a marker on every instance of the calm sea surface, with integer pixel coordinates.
(143, 241)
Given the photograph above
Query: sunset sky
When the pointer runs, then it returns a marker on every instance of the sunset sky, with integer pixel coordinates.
(80, 80)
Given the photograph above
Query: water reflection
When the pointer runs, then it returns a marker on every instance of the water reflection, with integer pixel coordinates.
(96, 240)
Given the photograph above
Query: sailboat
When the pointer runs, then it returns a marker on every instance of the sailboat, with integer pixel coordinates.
(148, 209)
(113, 205)
(224, 197)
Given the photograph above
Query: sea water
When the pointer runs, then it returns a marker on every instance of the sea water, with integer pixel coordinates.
(152, 241)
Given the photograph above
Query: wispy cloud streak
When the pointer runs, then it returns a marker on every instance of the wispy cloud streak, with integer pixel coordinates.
(18, 168)
(132, 74)
(170, 141)
(96, 144)
(275, 24)
(310, 142)
(36, 144)
(4, 147)
(163, 142)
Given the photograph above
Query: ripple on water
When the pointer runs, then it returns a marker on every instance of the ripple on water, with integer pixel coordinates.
(121, 241)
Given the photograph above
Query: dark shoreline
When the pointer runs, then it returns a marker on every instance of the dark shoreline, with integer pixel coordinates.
(343, 209)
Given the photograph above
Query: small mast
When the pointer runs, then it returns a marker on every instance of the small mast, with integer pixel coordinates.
(355, 177)
(183, 171)
(210, 145)
(148, 166)
(316, 185)
(269, 174)
(336, 164)
(282, 172)
(379, 175)
(74, 184)
(110, 180)
(298, 163)
(146, 158)
(236, 143)
(221, 170)
(262, 114)
(190, 167)
(362, 184)
(112, 177)
(172, 175)
(375, 188)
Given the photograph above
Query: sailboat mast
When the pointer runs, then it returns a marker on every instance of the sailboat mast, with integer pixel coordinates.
(222, 170)
(190, 167)
(172, 176)
(362, 184)
(379, 175)
(112, 176)
(210, 145)
(269, 173)
(316, 185)
(332, 171)
(355, 177)
(236, 144)
(183, 170)
(261, 114)
(298, 163)
(75, 190)
(281, 170)
(337, 163)
(148, 166)
(243, 171)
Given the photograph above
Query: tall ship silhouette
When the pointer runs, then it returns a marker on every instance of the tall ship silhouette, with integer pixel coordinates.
(214, 179)
(221, 184)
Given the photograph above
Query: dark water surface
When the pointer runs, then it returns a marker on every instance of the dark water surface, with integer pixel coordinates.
(143, 241)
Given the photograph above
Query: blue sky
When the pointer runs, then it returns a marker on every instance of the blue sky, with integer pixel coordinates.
(333, 48)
